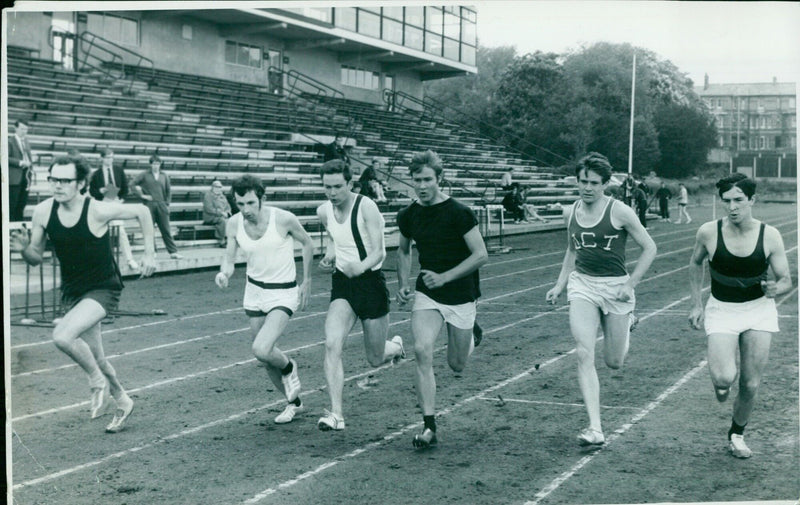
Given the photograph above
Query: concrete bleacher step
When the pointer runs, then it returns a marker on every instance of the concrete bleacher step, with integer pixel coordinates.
(186, 117)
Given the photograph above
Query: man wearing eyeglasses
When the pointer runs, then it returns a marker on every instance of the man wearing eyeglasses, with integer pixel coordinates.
(78, 227)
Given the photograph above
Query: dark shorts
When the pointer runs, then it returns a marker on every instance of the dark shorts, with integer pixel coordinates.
(261, 313)
(107, 298)
(366, 294)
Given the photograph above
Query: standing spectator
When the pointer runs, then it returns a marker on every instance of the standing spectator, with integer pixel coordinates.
(683, 201)
(664, 195)
(216, 211)
(336, 151)
(511, 202)
(153, 187)
(110, 184)
(20, 171)
(507, 181)
(640, 203)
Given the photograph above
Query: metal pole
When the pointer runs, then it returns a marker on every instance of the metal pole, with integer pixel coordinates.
(633, 98)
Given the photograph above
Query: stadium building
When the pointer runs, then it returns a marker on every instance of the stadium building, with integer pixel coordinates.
(757, 125)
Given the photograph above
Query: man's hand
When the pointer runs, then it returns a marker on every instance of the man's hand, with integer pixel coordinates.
(148, 265)
(19, 240)
(770, 288)
(303, 294)
(432, 280)
(696, 318)
(326, 264)
(624, 293)
(221, 280)
(404, 295)
(552, 296)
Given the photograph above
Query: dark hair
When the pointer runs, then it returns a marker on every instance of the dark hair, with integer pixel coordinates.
(426, 159)
(597, 163)
(106, 152)
(247, 183)
(81, 166)
(336, 167)
(739, 180)
(155, 157)
(19, 122)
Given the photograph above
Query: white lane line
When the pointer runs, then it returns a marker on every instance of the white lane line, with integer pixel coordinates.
(498, 399)
(557, 482)
(391, 436)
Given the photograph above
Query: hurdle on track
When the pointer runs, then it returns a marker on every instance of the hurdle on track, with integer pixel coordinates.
(491, 225)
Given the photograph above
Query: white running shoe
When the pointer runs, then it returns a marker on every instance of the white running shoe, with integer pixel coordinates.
(425, 439)
(590, 436)
(124, 409)
(330, 421)
(291, 382)
(738, 448)
(288, 413)
(397, 339)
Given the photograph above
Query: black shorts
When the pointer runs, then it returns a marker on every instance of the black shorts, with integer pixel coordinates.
(107, 298)
(366, 294)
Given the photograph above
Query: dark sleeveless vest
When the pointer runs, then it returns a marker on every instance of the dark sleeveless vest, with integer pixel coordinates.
(736, 278)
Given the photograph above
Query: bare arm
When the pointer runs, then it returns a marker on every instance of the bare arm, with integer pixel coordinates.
(567, 266)
(226, 268)
(297, 232)
(404, 293)
(32, 248)
(477, 258)
(326, 264)
(109, 211)
(778, 263)
(630, 222)
(697, 271)
(374, 231)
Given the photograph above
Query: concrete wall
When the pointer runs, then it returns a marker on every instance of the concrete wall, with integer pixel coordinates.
(29, 29)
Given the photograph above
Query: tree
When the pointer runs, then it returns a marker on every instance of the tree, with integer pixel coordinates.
(686, 133)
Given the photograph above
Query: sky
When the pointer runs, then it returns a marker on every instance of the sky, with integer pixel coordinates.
(729, 41)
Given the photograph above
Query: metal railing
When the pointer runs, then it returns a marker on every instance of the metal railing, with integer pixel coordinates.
(141, 64)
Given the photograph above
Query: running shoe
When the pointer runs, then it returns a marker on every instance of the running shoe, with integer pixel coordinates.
(176, 256)
(591, 436)
(330, 421)
(291, 382)
(101, 400)
(738, 448)
(124, 409)
(477, 334)
(288, 413)
(425, 439)
(397, 339)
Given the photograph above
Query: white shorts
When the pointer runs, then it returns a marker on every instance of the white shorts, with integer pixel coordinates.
(462, 316)
(731, 318)
(260, 300)
(600, 292)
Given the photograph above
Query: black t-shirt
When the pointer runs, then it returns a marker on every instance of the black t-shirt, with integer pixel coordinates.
(439, 233)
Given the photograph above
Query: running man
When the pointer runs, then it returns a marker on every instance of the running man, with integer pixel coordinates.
(78, 227)
(740, 315)
(599, 289)
(271, 295)
(358, 287)
(451, 250)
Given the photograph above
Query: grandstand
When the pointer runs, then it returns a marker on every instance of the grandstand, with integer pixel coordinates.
(218, 118)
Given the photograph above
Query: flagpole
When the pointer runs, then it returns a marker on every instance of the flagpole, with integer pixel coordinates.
(633, 97)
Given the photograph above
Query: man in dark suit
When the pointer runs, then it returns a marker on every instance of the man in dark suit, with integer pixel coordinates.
(109, 183)
(20, 171)
(336, 151)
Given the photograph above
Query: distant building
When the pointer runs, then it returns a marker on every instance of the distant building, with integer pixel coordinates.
(757, 124)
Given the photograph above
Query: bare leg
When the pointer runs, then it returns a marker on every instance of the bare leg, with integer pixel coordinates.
(617, 338)
(754, 351)
(339, 322)
(81, 318)
(460, 345)
(722, 350)
(379, 350)
(426, 325)
(266, 331)
(584, 319)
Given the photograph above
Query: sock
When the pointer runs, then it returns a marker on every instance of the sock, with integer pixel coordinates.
(430, 423)
(97, 379)
(287, 369)
(735, 428)
(296, 402)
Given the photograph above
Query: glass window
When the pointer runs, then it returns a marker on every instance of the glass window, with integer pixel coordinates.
(243, 54)
(451, 49)
(467, 54)
(393, 31)
(369, 24)
(186, 32)
(468, 32)
(433, 43)
(452, 26)
(112, 27)
(376, 80)
(393, 12)
(255, 57)
(413, 37)
(468, 14)
(230, 51)
(129, 34)
(415, 16)
(434, 18)
(345, 17)
(791, 103)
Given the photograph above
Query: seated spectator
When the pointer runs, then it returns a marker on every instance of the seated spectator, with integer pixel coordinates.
(506, 181)
(512, 203)
(521, 197)
(216, 211)
(369, 183)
